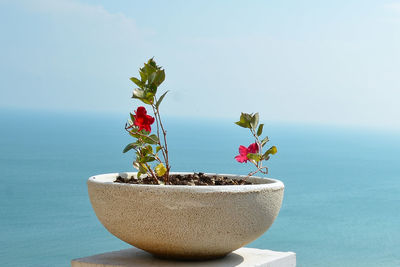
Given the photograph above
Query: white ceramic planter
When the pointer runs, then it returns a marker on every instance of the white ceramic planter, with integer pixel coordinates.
(187, 222)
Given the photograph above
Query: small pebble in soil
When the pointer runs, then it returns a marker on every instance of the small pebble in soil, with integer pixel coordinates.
(199, 179)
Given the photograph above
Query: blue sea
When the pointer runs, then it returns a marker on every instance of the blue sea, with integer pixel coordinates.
(342, 185)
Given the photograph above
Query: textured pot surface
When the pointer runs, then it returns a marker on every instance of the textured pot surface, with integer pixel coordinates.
(188, 222)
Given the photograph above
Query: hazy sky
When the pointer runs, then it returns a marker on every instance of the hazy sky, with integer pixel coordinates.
(334, 62)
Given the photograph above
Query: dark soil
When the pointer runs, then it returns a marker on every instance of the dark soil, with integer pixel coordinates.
(187, 179)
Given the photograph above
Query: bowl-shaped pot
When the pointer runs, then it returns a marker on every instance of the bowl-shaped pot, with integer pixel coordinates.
(186, 222)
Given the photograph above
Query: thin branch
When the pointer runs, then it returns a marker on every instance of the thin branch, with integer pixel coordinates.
(259, 163)
(165, 148)
(259, 170)
(151, 172)
(140, 134)
(154, 110)
(164, 134)
(157, 158)
(158, 129)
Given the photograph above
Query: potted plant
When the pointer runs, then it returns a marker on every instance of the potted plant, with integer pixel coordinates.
(183, 215)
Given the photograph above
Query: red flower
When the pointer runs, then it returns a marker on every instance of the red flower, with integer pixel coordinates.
(243, 151)
(142, 120)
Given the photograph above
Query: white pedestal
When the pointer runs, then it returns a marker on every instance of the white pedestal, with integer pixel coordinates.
(242, 257)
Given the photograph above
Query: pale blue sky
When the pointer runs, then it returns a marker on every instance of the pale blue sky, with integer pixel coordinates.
(331, 62)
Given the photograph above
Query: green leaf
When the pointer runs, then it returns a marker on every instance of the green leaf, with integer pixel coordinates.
(138, 93)
(132, 117)
(273, 150)
(244, 120)
(152, 63)
(152, 139)
(142, 168)
(160, 77)
(152, 88)
(158, 148)
(129, 147)
(152, 77)
(264, 141)
(137, 82)
(149, 98)
(145, 97)
(270, 151)
(253, 156)
(133, 135)
(160, 99)
(147, 159)
(146, 150)
(247, 117)
(143, 75)
(260, 129)
(242, 124)
(149, 69)
(146, 101)
(150, 159)
(254, 121)
(160, 169)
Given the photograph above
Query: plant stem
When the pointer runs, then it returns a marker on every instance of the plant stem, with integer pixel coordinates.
(259, 163)
(168, 167)
(258, 170)
(158, 128)
(154, 110)
(138, 133)
(151, 172)
(164, 148)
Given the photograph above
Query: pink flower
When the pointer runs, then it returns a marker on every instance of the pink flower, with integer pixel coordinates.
(142, 120)
(243, 151)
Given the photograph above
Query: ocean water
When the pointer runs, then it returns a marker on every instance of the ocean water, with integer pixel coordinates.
(341, 204)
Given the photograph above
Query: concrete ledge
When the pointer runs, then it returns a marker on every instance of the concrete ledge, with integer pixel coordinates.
(241, 257)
